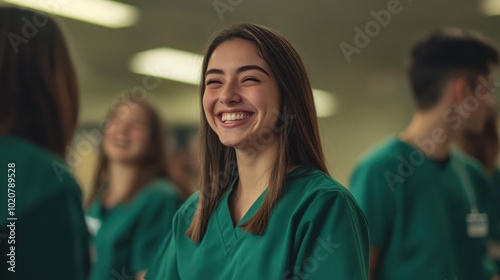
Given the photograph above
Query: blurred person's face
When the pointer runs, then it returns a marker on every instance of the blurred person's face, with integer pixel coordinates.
(126, 135)
(241, 99)
(477, 119)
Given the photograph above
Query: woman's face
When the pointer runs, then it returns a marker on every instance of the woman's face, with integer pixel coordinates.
(241, 99)
(126, 136)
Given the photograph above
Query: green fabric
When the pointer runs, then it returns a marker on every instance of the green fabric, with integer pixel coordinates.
(495, 211)
(316, 231)
(416, 209)
(130, 234)
(51, 239)
(495, 206)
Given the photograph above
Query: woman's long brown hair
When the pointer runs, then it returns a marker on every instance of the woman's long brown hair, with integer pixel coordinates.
(152, 165)
(297, 130)
(38, 87)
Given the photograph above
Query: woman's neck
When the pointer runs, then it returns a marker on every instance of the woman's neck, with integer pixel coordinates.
(254, 169)
(120, 183)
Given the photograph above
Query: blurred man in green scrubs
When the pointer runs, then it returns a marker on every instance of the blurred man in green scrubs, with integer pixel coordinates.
(267, 208)
(426, 205)
(42, 228)
(132, 202)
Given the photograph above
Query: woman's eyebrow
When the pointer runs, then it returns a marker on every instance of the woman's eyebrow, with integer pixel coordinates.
(251, 67)
(239, 70)
(214, 71)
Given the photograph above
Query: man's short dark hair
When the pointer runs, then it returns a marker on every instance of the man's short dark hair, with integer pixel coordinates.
(443, 54)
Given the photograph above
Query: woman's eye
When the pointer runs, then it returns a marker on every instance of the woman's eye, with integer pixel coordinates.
(209, 82)
(250, 79)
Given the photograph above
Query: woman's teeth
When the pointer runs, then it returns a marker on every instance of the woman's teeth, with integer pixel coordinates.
(234, 117)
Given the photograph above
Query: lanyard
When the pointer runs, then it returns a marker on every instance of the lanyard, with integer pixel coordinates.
(467, 185)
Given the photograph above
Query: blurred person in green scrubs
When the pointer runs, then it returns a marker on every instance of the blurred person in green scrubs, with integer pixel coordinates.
(267, 208)
(42, 227)
(132, 201)
(484, 146)
(425, 204)
(185, 171)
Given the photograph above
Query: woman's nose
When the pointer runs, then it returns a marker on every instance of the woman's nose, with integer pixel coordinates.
(230, 94)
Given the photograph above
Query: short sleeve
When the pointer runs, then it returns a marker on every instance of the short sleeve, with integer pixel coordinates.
(373, 188)
(335, 242)
(154, 224)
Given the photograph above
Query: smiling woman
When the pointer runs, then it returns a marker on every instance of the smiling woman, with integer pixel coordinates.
(267, 208)
(132, 201)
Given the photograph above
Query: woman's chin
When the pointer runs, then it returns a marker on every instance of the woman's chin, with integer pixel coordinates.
(123, 159)
(230, 144)
(233, 142)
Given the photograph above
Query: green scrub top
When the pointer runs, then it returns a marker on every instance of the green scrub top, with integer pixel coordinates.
(416, 208)
(126, 237)
(315, 231)
(49, 237)
(495, 206)
(495, 211)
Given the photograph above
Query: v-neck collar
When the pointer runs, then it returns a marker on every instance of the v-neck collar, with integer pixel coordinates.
(99, 210)
(232, 234)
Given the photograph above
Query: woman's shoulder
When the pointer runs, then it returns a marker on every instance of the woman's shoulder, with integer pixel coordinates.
(35, 166)
(310, 181)
(17, 149)
(39, 174)
(311, 187)
(160, 189)
(186, 211)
